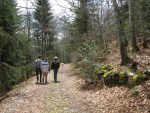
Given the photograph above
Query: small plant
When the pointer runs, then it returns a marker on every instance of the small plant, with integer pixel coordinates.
(134, 92)
(146, 75)
(115, 78)
(139, 72)
(138, 79)
(111, 78)
(107, 67)
(99, 73)
(123, 78)
(107, 78)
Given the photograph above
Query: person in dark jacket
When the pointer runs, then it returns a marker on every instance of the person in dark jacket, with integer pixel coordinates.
(55, 66)
(38, 68)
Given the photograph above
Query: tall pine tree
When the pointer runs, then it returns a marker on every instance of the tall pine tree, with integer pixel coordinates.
(43, 26)
(9, 21)
(81, 19)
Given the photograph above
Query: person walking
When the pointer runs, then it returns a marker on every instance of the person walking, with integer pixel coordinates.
(45, 69)
(55, 66)
(38, 62)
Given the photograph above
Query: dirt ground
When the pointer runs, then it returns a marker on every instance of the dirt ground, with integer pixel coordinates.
(69, 96)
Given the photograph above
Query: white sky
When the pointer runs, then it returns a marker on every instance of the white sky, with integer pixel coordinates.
(57, 10)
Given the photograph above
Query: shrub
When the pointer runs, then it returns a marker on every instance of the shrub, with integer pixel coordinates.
(11, 76)
(139, 72)
(107, 67)
(90, 72)
(123, 78)
(111, 78)
(99, 73)
(115, 78)
(107, 78)
(147, 75)
(138, 79)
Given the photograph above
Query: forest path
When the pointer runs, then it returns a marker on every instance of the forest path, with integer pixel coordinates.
(30, 97)
(72, 95)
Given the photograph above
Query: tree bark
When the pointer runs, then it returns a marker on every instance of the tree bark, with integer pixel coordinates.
(101, 38)
(122, 38)
(144, 41)
(42, 44)
(132, 25)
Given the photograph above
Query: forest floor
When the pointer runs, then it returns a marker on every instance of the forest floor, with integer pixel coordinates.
(70, 95)
(142, 57)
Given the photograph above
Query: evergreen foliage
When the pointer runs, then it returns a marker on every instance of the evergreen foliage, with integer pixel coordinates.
(43, 26)
(81, 19)
(15, 48)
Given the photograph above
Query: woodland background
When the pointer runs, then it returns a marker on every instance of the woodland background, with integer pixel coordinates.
(99, 34)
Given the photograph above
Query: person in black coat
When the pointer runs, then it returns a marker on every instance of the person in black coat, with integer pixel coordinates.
(55, 66)
(38, 62)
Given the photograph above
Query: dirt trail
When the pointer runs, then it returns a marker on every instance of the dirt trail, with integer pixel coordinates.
(37, 98)
(69, 96)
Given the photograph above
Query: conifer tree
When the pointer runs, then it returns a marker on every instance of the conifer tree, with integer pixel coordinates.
(81, 19)
(43, 26)
(9, 21)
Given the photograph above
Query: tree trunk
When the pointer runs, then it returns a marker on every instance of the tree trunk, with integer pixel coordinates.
(132, 26)
(42, 45)
(122, 38)
(102, 28)
(144, 41)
